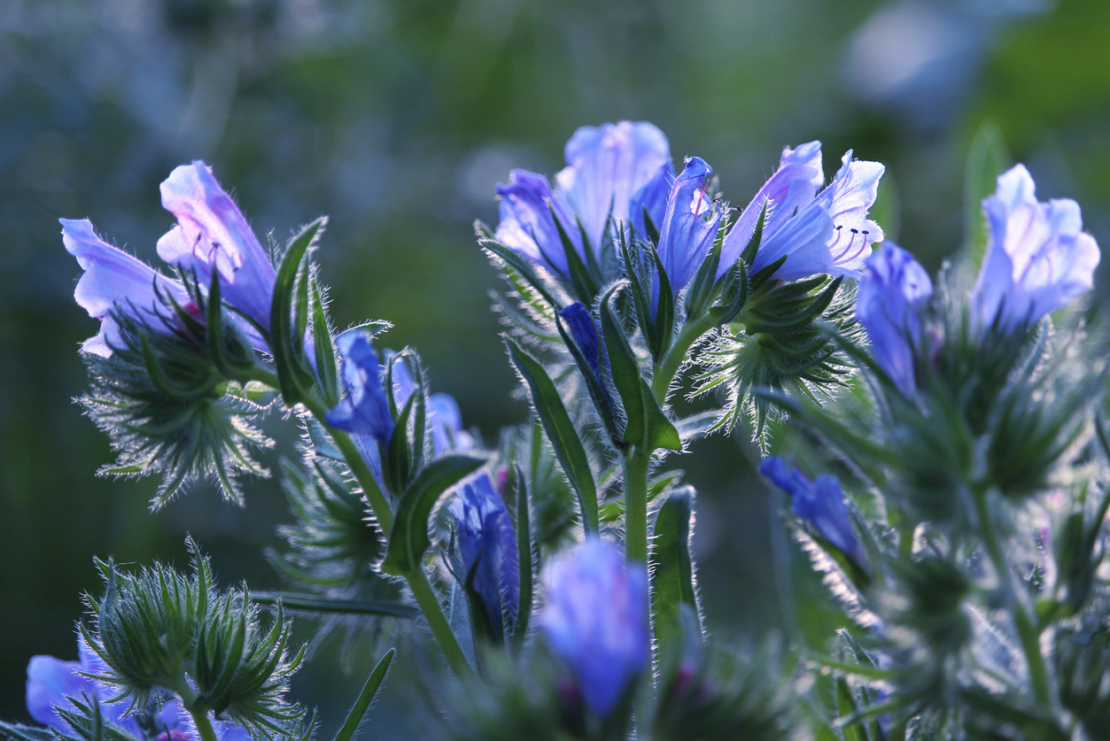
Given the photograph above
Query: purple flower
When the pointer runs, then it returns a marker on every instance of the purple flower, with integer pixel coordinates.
(820, 503)
(689, 227)
(817, 232)
(596, 620)
(486, 538)
(51, 681)
(1038, 259)
(365, 409)
(212, 234)
(608, 168)
(446, 425)
(891, 293)
(114, 279)
(528, 226)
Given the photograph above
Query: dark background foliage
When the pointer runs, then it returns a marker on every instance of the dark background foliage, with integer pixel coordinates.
(397, 118)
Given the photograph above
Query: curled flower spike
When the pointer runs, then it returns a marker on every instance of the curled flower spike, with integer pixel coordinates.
(818, 232)
(596, 620)
(114, 280)
(212, 234)
(819, 503)
(891, 293)
(365, 409)
(1038, 260)
(689, 227)
(486, 538)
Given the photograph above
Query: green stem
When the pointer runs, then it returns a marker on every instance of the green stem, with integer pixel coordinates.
(635, 504)
(378, 502)
(672, 361)
(441, 629)
(1027, 632)
(200, 717)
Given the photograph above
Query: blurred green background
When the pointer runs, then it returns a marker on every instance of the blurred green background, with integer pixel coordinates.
(397, 118)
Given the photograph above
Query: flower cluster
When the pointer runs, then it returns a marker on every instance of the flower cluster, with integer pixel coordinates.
(949, 443)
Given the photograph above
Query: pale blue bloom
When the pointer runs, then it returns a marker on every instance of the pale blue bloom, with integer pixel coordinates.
(486, 537)
(819, 503)
(608, 167)
(114, 279)
(1038, 259)
(596, 620)
(212, 234)
(688, 229)
(818, 232)
(446, 425)
(891, 294)
(51, 681)
(365, 409)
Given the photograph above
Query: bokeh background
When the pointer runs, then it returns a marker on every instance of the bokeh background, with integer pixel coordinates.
(397, 118)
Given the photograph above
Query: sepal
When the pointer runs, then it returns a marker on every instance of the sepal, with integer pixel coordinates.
(289, 316)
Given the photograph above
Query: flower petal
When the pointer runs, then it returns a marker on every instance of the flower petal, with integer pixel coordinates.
(527, 225)
(689, 227)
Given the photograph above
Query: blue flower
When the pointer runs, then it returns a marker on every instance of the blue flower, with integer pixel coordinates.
(608, 168)
(212, 234)
(528, 224)
(596, 620)
(891, 293)
(652, 199)
(1038, 260)
(819, 503)
(688, 229)
(365, 409)
(446, 425)
(817, 232)
(51, 681)
(486, 538)
(114, 279)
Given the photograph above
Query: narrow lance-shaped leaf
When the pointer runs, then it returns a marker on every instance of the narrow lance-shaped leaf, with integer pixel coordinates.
(672, 571)
(585, 285)
(640, 298)
(326, 368)
(525, 561)
(593, 383)
(645, 423)
(296, 381)
(559, 429)
(362, 704)
(664, 308)
(408, 539)
(329, 606)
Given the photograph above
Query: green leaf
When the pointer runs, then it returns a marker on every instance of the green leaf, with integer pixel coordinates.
(408, 539)
(639, 297)
(757, 321)
(329, 606)
(664, 308)
(397, 466)
(593, 383)
(987, 158)
(362, 704)
(27, 733)
(645, 425)
(748, 255)
(520, 265)
(705, 281)
(326, 368)
(288, 350)
(559, 430)
(585, 285)
(481, 624)
(525, 561)
(672, 571)
(735, 294)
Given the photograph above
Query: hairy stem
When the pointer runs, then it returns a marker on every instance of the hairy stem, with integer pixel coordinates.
(1027, 632)
(200, 717)
(635, 504)
(437, 622)
(665, 371)
(378, 502)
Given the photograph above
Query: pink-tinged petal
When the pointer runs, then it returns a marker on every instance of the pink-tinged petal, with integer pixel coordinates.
(212, 233)
(606, 166)
(114, 279)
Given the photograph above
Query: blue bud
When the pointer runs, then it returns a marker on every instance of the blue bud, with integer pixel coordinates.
(365, 409)
(819, 503)
(891, 294)
(596, 620)
(688, 229)
(585, 333)
(486, 537)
